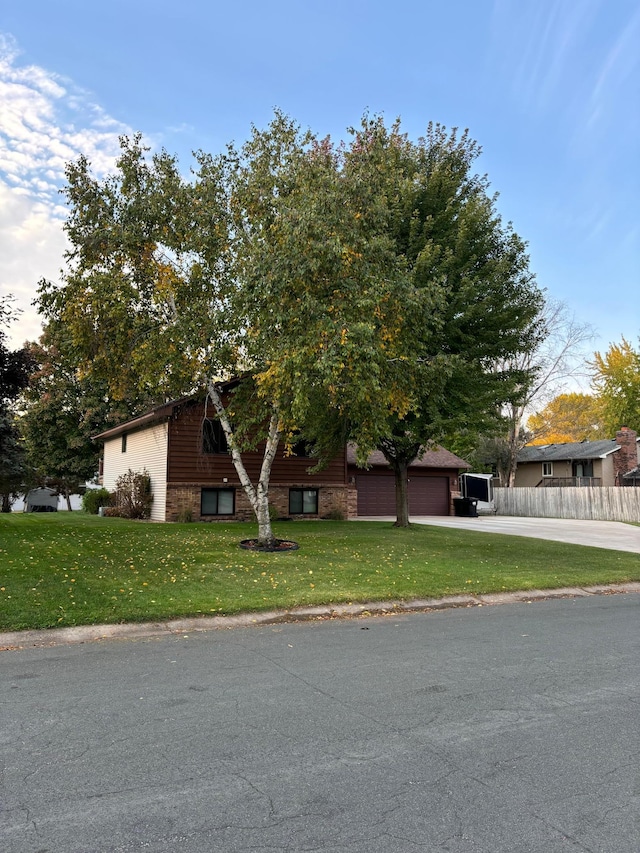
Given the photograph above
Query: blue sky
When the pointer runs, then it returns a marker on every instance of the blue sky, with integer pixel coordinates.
(549, 88)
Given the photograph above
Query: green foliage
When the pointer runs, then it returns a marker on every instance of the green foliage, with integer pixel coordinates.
(63, 569)
(15, 473)
(616, 379)
(65, 405)
(93, 499)
(132, 496)
(363, 291)
(458, 303)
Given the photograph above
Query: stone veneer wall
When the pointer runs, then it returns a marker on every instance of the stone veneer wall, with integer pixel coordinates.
(185, 497)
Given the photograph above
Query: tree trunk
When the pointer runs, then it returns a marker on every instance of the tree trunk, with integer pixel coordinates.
(512, 459)
(67, 496)
(6, 503)
(258, 495)
(400, 470)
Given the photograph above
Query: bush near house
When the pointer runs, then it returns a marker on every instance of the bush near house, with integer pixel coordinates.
(93, 499)
(132, 496)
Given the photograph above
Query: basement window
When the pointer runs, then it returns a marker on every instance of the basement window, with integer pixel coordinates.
(218, 502)
(303, 501)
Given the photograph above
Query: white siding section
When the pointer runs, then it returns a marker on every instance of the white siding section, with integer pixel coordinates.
(146, 448)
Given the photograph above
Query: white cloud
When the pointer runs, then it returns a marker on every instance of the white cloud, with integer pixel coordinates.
(46, 121)
(32, 244)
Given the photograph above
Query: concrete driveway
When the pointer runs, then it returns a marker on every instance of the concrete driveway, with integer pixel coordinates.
(614, 535)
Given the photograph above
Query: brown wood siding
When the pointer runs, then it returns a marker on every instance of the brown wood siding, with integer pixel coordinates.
(188, 464)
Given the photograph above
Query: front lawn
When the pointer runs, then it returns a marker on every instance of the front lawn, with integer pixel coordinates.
(72, 569)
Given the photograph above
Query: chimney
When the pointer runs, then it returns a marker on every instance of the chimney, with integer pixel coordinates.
(626, 459)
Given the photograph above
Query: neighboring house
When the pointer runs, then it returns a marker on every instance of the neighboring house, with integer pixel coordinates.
(182, 446)
(583, 463)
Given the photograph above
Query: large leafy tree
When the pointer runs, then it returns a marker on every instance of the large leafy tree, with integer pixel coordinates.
(15, 366)
(363, 291)
(172, 283)
(616, 379)
(466, 305)
(62, 411)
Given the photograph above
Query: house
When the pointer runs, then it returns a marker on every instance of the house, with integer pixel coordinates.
(183, 448)
(583, 463)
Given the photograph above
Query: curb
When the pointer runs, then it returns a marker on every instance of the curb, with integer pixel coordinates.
(92, 633)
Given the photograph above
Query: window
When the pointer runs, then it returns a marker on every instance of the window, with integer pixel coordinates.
(123, 448)
(213, 438)
(547, 469)
(583, 468)
(301, 448)
(218, 502)
(303, 501)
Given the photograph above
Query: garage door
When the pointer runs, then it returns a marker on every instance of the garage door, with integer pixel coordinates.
(428, 495)
(377, 495)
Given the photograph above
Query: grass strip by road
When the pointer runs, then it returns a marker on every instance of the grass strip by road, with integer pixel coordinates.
(65, 569)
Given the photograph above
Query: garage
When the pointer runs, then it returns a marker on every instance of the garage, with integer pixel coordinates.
(428, 495)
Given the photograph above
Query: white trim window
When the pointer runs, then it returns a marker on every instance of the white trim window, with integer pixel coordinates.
(547, 469)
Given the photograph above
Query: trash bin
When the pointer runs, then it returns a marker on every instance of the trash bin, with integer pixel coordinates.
(465, 507)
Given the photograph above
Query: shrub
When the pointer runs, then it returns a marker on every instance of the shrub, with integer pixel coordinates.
(185, 516)
(113, 512)
(133, 494)
(274, 515)
(93, 499)
(334, 514)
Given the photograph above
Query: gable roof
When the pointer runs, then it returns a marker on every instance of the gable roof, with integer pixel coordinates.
(160, 413)
(438, 457)
(569, 451)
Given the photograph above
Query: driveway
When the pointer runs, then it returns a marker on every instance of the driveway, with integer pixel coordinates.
(614, 535)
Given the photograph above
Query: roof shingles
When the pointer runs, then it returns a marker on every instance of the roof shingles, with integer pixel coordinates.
(574, 450)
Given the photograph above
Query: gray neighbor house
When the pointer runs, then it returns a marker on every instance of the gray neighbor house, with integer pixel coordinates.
(608, 462)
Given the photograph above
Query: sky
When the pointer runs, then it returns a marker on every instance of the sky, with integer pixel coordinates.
(550, 89)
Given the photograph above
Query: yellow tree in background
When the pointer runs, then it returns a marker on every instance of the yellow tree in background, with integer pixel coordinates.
(567, 418)
(617, 381)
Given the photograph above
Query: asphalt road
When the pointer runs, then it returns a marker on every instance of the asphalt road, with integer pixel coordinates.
(488, 730)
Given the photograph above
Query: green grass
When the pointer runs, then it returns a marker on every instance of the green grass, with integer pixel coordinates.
(73, 569)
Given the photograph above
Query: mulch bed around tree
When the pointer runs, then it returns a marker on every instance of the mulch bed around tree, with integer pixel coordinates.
(276, 545)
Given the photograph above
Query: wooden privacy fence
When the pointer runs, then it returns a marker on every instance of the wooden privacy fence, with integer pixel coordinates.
(605, 503)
